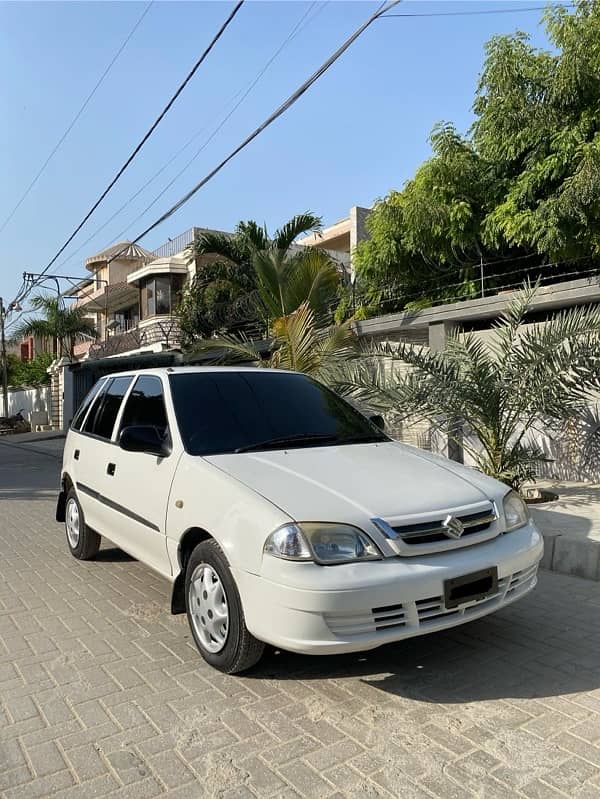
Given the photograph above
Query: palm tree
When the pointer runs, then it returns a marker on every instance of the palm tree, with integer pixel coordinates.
(65, 326)
(295, 290)
(489, 396)
(284, 279)
(297, 342)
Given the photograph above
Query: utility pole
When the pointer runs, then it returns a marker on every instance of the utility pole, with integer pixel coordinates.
(4, 363)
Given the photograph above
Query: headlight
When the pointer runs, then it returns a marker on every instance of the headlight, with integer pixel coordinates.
(516, 513)
(322, 542)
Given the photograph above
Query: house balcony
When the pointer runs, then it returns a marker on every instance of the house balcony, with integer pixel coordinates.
(107, 299)
(155, 334)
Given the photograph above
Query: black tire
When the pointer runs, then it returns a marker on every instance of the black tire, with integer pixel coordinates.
(241, 650)
(88, 542)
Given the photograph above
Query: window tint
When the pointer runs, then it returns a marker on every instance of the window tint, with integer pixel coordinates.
(220, 412)
(87, 401)
(145, 405)
(102, 417)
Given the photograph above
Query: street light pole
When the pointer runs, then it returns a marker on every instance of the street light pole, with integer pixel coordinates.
(4, 363)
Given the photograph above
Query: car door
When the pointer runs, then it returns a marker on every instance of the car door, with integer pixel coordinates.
(92, 446)
(137, 484)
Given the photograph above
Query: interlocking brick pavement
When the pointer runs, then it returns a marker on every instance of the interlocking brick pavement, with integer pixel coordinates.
(102, 693)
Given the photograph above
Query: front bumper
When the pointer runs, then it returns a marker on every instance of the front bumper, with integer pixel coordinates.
(303, 607)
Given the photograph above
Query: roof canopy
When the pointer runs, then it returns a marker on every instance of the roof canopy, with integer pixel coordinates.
(123, 250)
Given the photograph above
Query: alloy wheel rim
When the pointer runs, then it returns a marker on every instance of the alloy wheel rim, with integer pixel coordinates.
(72, 523)
(208, 608)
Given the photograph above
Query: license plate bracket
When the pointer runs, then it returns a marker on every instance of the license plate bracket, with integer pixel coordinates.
(470, 587)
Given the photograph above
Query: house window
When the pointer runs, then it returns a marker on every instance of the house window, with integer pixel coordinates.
(127, 319)
(161, 295)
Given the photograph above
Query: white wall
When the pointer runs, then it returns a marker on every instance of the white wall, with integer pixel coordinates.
(29, 399)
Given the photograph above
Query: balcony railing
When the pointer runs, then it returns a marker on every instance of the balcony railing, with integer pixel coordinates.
(173, 246)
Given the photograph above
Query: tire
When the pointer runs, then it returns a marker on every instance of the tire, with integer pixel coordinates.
(217, 620)
(83, 542)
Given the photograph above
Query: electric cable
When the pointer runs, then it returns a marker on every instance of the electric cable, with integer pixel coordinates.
(76, 117)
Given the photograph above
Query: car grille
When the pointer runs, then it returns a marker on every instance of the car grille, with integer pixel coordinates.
(430, 532)
(426, 613)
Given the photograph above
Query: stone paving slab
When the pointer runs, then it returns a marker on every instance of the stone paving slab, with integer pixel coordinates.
(102, 693)
(571, 529)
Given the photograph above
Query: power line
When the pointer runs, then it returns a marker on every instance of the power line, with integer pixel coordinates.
(420, 293)
(285, 106)
(207, 141)
(76, 117)
(296, 30)
(482, 11)
(438, 282)
(150, 131)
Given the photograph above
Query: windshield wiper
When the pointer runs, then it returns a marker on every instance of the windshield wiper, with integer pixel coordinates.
(365, 438)
(275, 443)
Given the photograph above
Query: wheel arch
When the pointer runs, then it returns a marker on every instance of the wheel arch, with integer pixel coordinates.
(189, 540)
(66, 484)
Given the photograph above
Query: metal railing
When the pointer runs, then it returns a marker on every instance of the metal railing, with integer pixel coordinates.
(173, 246)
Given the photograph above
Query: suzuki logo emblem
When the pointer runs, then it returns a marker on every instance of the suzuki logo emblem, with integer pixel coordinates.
(453, 527)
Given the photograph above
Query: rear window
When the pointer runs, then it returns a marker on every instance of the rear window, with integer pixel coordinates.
(87, 401)
(103, 414)
(145, 405)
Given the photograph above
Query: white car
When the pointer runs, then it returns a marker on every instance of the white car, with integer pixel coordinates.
(282, 515)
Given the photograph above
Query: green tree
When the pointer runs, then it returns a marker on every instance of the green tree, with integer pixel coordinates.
(29, 373)
(524, 182)
(497, 390)
(538, 124)
(274, 278)
(65, 326)
(222, 294)
(295, 294)
(426, 241)
(297, 341)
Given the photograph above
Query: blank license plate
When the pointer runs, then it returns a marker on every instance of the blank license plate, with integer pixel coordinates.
(470, 587)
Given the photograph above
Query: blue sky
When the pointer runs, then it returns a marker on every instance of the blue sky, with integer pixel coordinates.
(360, 131)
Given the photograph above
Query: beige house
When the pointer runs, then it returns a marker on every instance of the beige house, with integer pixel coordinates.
(340, 238)
(132, 296)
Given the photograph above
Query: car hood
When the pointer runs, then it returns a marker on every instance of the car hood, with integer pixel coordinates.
(337, 483)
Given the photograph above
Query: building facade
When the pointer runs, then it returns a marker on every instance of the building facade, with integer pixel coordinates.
(132, 296)
(340, 238)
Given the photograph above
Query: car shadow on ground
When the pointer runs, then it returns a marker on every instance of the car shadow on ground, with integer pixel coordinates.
(112, 555)
(519, 652)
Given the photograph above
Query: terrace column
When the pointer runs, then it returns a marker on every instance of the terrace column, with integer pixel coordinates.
(442, 443)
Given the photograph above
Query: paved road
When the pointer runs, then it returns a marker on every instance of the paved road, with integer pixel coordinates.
(103, 695)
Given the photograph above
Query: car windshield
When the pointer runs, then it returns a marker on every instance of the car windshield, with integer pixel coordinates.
(225, 412)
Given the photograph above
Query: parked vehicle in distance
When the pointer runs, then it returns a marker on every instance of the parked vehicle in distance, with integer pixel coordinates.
(16, 423)
(282, 515)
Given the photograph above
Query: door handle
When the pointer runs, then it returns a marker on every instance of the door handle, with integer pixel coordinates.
(110, 469)
(76, 454)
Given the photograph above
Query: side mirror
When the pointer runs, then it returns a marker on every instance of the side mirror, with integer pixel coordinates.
(378, 421)
(144, 438)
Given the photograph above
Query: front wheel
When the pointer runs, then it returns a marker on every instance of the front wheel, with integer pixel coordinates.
(83, 542)
(215, 613)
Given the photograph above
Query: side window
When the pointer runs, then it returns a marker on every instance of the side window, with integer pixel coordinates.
(101, 419)
(87, 401)
(146, 405)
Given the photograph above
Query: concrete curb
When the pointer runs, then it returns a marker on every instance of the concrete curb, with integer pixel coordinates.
(32, 437)
(571, 556)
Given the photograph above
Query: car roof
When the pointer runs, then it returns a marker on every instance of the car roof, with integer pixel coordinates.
(174, 370)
